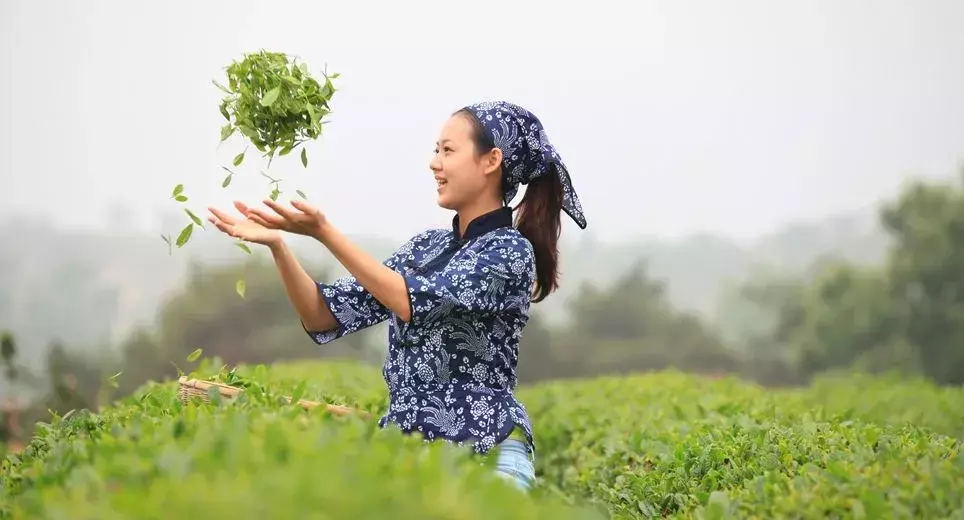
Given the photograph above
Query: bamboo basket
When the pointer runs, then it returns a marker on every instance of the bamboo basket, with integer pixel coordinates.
(189, 388)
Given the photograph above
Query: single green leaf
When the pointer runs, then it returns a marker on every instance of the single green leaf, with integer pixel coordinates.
(226, 181)
(271, 96)
(240, 287)
(214, 394)
(238, 158)
(304, 157)
(301, 194)
(216, 84)
(181, 198)
(185, 235)
(193, 356)
(299, 391)
(226, 131)
(224, 110)
(270, 178)
(177, 190)
(244, 247)
(274, 194)
(194, 218)
(717, 506)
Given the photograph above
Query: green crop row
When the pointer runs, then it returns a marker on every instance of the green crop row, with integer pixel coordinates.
(655, 445)
(679, 445)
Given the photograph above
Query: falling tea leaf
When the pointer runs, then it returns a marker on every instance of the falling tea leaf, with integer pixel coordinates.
(185, 235)
(194, 218)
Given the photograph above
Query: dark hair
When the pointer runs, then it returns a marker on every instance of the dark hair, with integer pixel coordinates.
(538, 217)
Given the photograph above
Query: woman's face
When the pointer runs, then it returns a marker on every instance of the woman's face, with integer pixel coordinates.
(462, 175)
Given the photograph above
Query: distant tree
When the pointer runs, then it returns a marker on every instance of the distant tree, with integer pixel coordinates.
(926, 273)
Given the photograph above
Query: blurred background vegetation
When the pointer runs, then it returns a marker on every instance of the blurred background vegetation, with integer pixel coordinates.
(876, 292)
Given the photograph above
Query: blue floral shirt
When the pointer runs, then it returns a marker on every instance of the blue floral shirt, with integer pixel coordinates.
(451, 369)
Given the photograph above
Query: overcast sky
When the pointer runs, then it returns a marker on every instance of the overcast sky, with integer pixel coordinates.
(674, 117)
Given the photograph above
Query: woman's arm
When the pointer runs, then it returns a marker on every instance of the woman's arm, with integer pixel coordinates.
(302, 290)
(385, 284)
(382, 282)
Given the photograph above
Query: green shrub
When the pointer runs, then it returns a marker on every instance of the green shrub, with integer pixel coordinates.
(663, 444)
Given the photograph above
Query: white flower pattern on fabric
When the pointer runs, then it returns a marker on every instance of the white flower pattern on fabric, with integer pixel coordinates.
(451, 371)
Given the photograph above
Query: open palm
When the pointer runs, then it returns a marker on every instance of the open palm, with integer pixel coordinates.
(243, 228)
(303, 219)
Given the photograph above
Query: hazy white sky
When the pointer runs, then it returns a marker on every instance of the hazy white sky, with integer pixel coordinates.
(673, 116)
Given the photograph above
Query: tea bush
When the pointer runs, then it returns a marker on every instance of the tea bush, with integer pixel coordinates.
(678, 445)
(654, 445)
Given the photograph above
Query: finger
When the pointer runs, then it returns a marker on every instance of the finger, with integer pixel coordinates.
(273, 221)
(262, 222)
(222, 216)
(304, 207)
(284, 212)
(244, 209)
(224, 227)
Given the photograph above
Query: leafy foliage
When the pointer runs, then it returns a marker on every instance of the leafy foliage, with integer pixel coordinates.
(153, 457)
(683, 446)
(275, 103)
(643, 446)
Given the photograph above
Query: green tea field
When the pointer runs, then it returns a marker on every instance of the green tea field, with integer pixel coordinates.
(645, 446)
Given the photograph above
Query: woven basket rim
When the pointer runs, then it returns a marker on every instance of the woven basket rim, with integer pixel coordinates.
(199, 388)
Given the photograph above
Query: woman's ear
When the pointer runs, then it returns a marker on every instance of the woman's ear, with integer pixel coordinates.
(493, 160)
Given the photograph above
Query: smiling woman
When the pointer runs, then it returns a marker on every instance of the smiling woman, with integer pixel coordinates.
(457, 300)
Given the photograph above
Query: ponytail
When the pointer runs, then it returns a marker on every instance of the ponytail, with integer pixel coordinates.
(539, 221)
(538, 218)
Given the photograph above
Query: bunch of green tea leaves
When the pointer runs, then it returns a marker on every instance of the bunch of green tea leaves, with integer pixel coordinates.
(275, 103)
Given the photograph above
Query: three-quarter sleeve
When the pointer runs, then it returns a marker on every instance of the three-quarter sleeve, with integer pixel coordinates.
(353, 307)
(494, 277)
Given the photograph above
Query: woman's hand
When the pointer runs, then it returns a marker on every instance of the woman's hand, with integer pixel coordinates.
(247, 229)
(305, 219)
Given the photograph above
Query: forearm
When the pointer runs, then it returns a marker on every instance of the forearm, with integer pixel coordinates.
(384, 284)
(302, 290)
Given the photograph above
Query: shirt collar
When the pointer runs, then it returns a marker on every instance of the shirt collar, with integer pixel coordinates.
(484, 223)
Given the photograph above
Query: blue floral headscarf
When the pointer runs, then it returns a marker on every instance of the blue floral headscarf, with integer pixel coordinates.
(526, 151)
